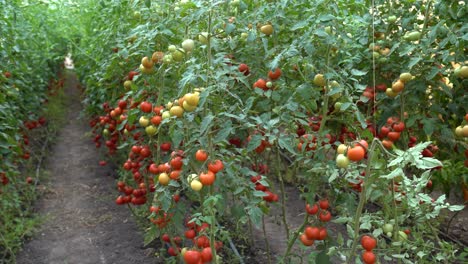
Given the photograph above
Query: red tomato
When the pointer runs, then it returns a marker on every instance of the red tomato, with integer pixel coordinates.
(368, 242)
(146, 107)
(307, 242)
(325, 216)
(312, 209)
(206, 255)
(201, 155)
(216, 166)
(323, 203)
(176, 163)
(368, 257)
(192, 257)
(207, 178)
(356, 153)
(312, 233)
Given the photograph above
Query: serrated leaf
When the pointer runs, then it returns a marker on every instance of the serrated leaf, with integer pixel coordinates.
(223, 133)
(255, 215)
(259, 194)
(395, 173)
(151, 235)
(428, 163)
(254, 142)
(413, 61)
(286, 143)
(206, 123)
(356, 72)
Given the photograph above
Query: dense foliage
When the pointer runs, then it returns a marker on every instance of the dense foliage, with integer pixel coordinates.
(211, 107)
(31, 52)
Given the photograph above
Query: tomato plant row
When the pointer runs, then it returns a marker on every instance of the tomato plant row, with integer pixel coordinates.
(31, 52)
(211, 107)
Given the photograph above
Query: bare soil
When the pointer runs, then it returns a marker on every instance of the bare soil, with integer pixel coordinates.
(82, 222)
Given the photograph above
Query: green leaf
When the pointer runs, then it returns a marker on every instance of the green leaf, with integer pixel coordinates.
(255, 215)
(259, 194)
(150, 235)
(206, 123)
(413, 61)
(323, 258)
(223, 133)
(427, 163)
(254, 142)
(395, 173)
(358, 72)
(286, 143)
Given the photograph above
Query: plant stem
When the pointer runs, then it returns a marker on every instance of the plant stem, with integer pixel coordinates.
(283, 193)
(362, 199)
(294, 238)
(266, 240)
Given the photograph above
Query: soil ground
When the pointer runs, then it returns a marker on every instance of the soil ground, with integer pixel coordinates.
(82, 222)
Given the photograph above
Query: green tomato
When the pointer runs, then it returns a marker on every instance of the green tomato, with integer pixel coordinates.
(337, 106)
(151, 130)
(188, 45)
(387, 228)
(172, 48)
(178, 55)
(392, 19)
(342, 161)
(402, 236)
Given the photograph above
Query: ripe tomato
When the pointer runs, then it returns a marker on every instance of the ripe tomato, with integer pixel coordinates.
(307, 242)
(156, 120)
(192, 257)
(398, 126)
(190, 234)
(166, 238)
(312, 232)
(166, 146)
(368, 242)
(176, 163)
(368, 257)
(393, 136)
(312, 209)
(356, 153)
(216, 166)
(387, 144)
(203, 242)
(206, 255)
(260, 83)
(384, 131)
(244, 68)
(201, 155)
(146, 107)
(175, 174)
(207, 178)
(173, 252)
(324, 204)
(274, 75)
(325, 216)
(322, 233)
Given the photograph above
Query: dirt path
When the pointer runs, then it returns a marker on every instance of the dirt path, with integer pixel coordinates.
(83, 224)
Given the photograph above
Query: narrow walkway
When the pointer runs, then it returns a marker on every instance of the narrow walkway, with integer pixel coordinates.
(83, 224)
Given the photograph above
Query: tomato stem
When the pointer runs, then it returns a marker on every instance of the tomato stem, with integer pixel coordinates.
(266, 240)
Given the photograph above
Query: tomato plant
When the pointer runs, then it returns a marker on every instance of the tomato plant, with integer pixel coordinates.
(226, 103)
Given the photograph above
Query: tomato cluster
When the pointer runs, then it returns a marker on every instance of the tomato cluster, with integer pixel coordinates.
(391, 131)
(368, 243)
(316, 233)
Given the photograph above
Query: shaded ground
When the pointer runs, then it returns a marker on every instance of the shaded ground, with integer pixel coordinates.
(83, 224)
